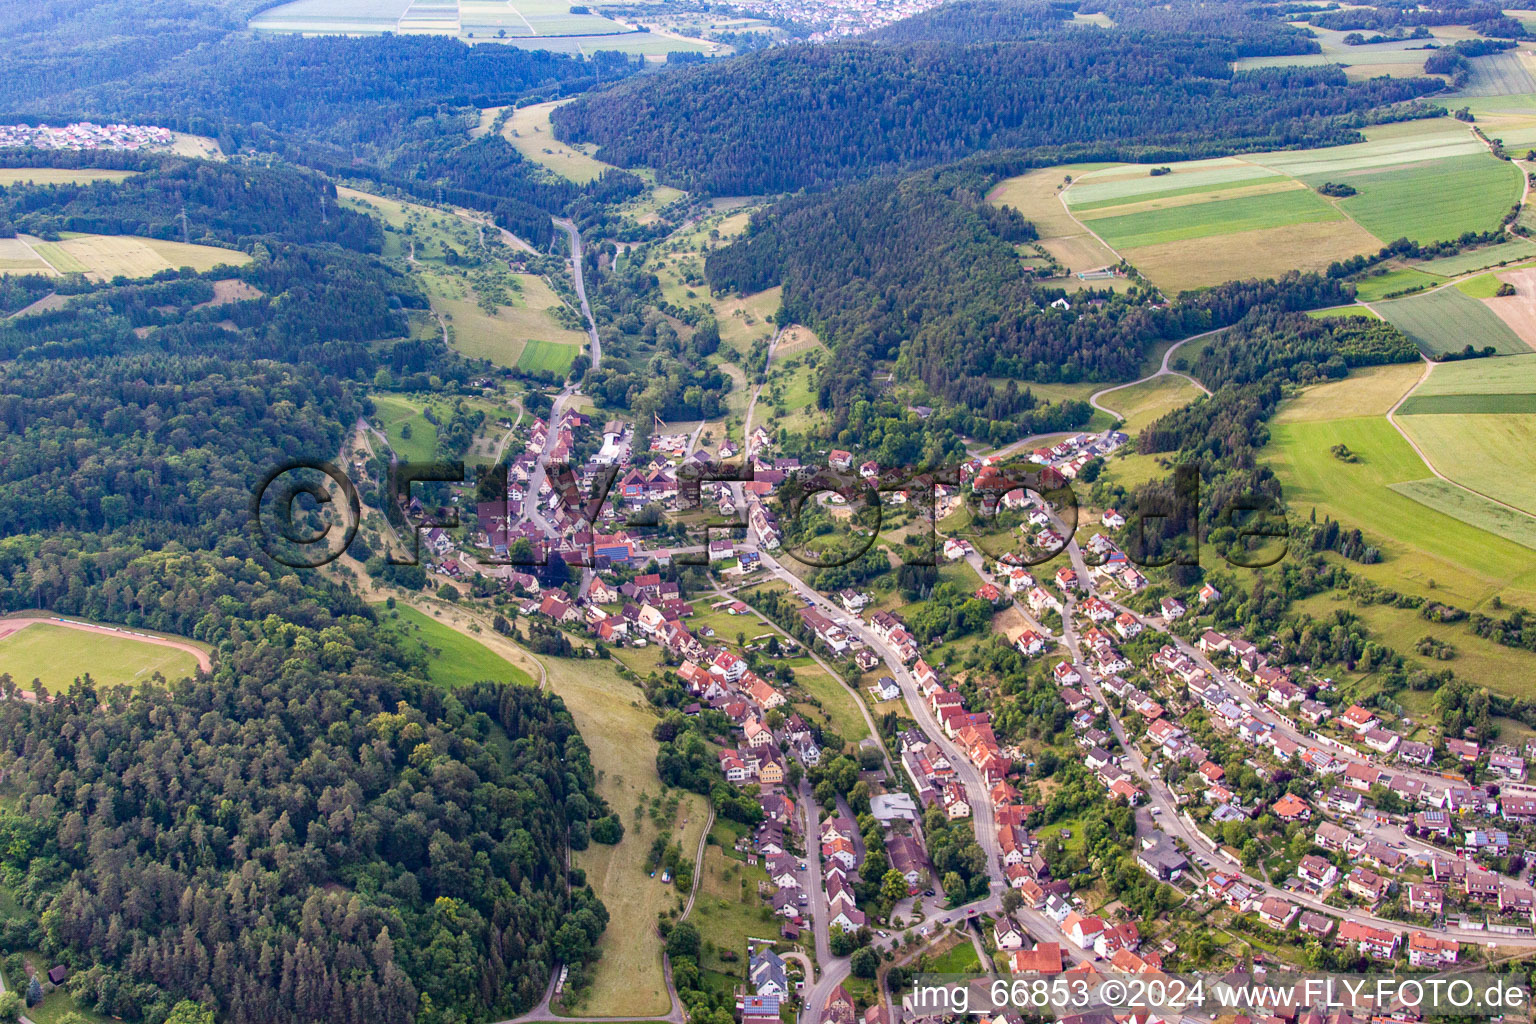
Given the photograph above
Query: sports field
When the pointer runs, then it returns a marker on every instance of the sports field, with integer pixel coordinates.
(548, 356)
(58, 655)
(1430, 534)
(1447, 320)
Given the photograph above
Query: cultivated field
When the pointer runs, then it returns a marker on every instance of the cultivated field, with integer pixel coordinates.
(1207, 221)
(1036, 195)
(1432, 200)
(1500, 74)
(540, 24)
(1420, 542)
(1518, 311)
(103, 257)
(1474, 510)
(1479, 259)
(1219, 215)
(1446, 320)
(1269, 252)
(38, 650)
(1514, 375)
(1493, 454)
(59, 175)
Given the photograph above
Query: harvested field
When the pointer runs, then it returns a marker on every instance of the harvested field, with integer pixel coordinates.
(1518, 311)
(1268, 252)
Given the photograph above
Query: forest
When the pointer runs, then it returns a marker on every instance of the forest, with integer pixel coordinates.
(311, 831)
(223, 203)
(308, 834)
(800, 117)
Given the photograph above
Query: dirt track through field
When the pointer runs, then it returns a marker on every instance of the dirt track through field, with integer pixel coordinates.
(16, 623)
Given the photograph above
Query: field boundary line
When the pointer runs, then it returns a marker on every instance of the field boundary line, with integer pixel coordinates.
(1429, 367)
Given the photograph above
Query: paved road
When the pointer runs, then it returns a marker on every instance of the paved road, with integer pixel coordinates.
(1162, 371)
(581, 289)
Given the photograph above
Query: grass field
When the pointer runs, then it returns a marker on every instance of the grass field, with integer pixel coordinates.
(839, 709)
(1491, 454)
(1515, 375)
(608, 711)
(1377, 286)
(1217, 217)
(1503, 669)
(506, 336)
(531, 134)
(1141, 404)
(549, 356)
(1445, 320)
(57, 1004)
(1036, 195)
(58, 655)
(1419, 543)
(396, 413)
(728, 910)
(1483, 286)
(453, 659)
(1479, 259)
(59, 175)
(1434, 200)
(1367, 391)
(1334, 312)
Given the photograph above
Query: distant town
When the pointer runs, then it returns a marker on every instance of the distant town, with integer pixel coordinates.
(837, 19)
(85, 135)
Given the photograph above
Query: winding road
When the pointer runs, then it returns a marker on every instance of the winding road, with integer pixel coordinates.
(1162, 371)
